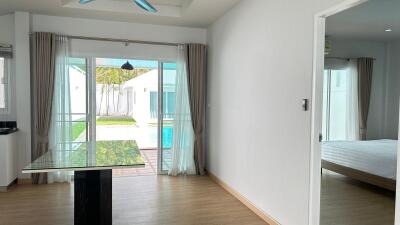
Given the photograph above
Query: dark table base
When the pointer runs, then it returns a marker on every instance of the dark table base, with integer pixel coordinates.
(93, 197)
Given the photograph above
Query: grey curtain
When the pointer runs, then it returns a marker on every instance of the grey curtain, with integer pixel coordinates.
(365, 67)
(43, 60)
(196, 65)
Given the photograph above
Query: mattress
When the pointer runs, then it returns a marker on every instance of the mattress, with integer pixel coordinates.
(378, 157)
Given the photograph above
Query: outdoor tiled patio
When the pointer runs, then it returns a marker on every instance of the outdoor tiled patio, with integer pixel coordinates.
(150, 158)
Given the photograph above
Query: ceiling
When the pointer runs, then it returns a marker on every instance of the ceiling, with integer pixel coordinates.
(192, 13)
(367, 21)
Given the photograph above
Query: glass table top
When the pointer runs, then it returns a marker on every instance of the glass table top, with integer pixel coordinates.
(78, 157)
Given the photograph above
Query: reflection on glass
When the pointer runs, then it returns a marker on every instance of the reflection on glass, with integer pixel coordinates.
(168, 112)
(107, 154)
(335, 104)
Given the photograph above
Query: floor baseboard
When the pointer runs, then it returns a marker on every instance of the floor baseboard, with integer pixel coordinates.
(24, 181)
(244, 200)
(5, 188)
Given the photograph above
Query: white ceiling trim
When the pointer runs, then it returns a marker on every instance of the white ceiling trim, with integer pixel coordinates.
(187, 13)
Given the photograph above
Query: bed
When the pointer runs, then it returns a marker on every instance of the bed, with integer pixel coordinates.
(374, 162)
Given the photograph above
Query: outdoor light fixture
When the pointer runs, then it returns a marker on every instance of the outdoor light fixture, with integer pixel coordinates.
(127, 66)
(388, 30)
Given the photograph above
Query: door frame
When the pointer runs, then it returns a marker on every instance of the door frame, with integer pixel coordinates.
(160, 117)
(161, 114)
(91, 105)
(316, 116)
(92, 108)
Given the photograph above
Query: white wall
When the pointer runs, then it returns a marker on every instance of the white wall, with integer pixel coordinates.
(14, 30)
(142, 86)
(354, 49)
(23, 96)
(393, 89)
(260, 68)
(119, 30)
(7, 29)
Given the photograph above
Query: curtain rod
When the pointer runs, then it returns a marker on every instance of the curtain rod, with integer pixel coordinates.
(342, 58)
(119, 40)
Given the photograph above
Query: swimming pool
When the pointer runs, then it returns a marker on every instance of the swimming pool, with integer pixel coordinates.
(167, 135)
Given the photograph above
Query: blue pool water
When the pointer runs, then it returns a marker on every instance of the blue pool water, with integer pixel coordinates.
(167, 135)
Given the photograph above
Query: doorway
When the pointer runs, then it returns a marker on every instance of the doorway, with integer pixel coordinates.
(128, 108)
(331, 123)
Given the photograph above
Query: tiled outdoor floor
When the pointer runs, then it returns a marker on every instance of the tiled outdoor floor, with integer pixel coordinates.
(150, 158)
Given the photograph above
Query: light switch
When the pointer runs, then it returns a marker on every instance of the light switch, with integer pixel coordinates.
(305, 104)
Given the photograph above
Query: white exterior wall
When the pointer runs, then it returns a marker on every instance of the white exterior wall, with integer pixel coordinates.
(141, 87)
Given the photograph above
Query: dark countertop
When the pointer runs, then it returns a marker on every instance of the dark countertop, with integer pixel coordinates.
(6, 131)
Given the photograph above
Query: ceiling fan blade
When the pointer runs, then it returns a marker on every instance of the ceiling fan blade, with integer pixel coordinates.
(146, 6)
(85, 1)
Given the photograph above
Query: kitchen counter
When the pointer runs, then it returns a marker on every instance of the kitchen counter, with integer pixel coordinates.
(6, 131)
(8, 159)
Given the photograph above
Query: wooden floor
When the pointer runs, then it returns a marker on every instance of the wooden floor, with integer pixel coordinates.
(345, 201)
(144, 200)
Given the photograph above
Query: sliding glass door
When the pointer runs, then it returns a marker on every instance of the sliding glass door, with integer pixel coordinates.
(167, 113)
(132, 107)
(70, 105)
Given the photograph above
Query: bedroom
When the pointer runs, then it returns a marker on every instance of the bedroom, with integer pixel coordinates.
(360, 115)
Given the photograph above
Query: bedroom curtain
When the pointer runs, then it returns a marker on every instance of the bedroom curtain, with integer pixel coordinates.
(196, 59)
(340, 115)
(43, 67)
(61, 125)
(352, 117)
(183, 138)
(365, 69)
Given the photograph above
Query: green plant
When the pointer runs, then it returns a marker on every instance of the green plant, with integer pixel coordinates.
(109, 153)
(115, 121)
(77, 129)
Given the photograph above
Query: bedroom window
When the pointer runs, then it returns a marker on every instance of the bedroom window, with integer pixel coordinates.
(339, 105)
(4, 81)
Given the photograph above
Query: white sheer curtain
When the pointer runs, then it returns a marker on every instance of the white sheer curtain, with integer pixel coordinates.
(352, 120)
(183, 134)
(60, 136)
(340, 115)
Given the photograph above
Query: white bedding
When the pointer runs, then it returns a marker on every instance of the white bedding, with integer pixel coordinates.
(378, 157)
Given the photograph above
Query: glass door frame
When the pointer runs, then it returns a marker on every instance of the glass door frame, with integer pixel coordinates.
(91, 109)
(161, 115)
(160, 118)
(91, 105)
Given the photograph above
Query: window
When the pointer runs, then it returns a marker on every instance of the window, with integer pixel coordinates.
(339, 120)
(168, 104)
(69, 119)
(4, 81)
